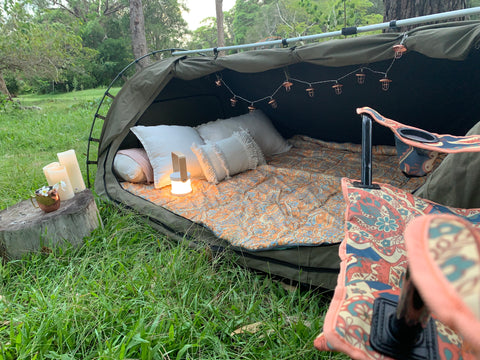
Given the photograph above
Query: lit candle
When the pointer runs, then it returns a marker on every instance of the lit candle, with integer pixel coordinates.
(69, 160)
(57, 174)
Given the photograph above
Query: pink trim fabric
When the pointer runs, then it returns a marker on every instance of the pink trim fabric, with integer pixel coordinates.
(140, 156)
(444, 258)
(446, 143)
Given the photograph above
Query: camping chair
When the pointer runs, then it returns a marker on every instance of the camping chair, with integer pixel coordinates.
(372, 288)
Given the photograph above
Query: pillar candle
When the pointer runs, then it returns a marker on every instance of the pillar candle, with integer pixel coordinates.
(47, 174)
(69, 160)
(55, 174)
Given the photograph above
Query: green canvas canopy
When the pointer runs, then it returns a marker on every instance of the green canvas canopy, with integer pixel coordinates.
(434, 86)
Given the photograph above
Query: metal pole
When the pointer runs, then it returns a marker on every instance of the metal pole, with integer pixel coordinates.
(366, 151)
(385, 25)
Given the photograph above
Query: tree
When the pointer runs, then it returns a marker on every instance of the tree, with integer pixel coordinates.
(36, 50)
(220, 29)
(404, 9)
(137, 30)
(164, 24)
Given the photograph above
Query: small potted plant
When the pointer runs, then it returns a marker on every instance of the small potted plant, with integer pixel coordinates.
(47, 197)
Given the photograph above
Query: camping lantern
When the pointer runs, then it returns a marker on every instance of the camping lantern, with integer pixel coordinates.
(399, 50)
(338, 88)
(360, 77)
(180, 178)
(385, 83)
(311, 91)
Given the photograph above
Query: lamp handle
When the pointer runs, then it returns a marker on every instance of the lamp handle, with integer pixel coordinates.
(179, 163)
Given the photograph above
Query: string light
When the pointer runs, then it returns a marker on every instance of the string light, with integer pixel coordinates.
(338, 88)
(361, 77)
(399, 50)
(219, 81)
(287, 85)
(273, 103)
(385, 83)
(310, 89)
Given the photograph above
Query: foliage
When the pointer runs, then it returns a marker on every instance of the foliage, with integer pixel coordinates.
(245, 13)
(297, 18)
(129, 292)
(205, 36)
(77, 44)
(164, 24)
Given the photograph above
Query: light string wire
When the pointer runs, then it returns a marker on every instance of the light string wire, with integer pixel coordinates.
(287, 82)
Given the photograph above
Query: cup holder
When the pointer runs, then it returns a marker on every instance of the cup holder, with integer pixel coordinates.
(417, 135)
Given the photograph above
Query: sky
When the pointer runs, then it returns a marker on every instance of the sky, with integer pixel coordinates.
(201, 9)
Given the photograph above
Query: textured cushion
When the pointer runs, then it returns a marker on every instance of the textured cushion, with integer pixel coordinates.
(229, 156)
(133, 165)
(159, 142)
(258, 125)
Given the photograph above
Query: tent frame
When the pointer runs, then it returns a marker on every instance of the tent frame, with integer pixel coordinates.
(285, 42)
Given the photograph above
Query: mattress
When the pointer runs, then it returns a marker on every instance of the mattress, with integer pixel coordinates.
(295, 200)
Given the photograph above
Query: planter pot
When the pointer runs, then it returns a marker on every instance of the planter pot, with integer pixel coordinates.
(48, 203)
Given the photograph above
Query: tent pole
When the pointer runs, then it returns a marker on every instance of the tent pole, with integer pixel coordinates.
(345, 31)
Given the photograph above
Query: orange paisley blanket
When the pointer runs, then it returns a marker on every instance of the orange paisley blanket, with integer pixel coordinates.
(294, 200)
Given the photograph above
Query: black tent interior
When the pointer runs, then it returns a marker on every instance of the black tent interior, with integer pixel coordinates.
(434, 86)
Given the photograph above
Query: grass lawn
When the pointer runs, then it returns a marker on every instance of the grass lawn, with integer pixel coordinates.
(129, 292)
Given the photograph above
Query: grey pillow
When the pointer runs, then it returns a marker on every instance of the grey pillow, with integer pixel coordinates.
(227, 157)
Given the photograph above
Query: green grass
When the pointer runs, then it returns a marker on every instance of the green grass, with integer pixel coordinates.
(129, 292)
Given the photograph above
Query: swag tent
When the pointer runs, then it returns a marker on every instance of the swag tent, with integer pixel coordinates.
(433, 86)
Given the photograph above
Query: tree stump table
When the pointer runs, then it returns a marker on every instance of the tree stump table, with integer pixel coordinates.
(25, 228)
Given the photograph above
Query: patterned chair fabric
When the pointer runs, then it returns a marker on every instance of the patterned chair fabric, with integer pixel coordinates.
(417, 149)
(444, 260)
(373, 261)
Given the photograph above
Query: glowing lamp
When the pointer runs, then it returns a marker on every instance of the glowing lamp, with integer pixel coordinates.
(180, 178)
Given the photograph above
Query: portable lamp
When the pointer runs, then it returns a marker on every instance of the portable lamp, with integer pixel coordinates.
(180, 178)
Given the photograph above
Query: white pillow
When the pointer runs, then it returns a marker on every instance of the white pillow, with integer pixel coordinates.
(133, 165)
(159, 142)
(258, 125)
(229, 156)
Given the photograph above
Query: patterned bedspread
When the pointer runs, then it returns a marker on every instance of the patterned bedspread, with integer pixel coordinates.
(296, 199)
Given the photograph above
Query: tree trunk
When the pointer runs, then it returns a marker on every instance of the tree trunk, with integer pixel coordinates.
(137, 31)
(404, 9)
(220, 29)
(3, 88)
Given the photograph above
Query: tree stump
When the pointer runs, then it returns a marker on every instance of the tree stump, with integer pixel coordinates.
(25, 228)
